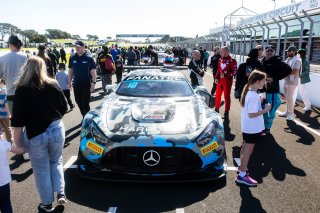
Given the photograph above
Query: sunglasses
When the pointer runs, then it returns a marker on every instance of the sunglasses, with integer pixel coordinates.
(259, 49)
(269, 50)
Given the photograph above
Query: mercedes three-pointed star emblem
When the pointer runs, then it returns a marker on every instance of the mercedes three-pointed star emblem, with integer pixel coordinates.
(151, 158)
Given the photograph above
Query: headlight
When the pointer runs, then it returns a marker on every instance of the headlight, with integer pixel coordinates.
(97, 134)
(206, 136)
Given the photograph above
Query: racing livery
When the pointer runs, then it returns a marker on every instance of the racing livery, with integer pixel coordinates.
(153, 127)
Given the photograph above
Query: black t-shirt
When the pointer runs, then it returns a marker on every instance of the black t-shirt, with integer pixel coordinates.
(214, 63)
(195, 67)
(201, 53)
(154, 55)
(36, 109)
(62, 53)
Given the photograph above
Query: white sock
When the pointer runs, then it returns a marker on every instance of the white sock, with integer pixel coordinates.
(242, 174)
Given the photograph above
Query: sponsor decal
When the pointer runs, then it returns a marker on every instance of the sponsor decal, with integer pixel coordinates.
(205, 150)
(154, 117)
(283, 11)
(153, 78)
(95, 147)
(128, 129)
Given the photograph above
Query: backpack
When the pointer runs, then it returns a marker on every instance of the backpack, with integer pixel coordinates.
(109, 65)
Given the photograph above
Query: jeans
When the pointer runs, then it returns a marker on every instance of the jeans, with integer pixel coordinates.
(45, 152)
(5, 202)
(275, 101)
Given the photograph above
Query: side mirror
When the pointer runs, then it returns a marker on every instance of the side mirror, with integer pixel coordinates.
(205, 95)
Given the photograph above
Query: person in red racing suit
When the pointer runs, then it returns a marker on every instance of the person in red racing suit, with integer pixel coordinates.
(227, 68)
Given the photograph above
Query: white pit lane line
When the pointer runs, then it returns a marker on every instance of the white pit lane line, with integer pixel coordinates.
(180, 210)
(112, 210)
(70, 163)
(303, 125)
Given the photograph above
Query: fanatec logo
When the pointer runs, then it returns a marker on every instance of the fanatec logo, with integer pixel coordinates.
(151, 158)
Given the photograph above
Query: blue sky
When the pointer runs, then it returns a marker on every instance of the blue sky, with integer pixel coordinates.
(107, 18)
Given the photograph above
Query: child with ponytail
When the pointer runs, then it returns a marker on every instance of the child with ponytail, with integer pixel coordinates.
(252, 122)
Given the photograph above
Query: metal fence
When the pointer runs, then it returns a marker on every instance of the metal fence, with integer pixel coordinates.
(301, 30)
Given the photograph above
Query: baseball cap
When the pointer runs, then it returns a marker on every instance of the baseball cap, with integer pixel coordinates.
(79, 43)
(302, 51)
(291, 48)
(269, 47)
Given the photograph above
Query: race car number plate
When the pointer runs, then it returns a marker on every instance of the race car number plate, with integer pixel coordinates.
(95, 147)
(205, 150)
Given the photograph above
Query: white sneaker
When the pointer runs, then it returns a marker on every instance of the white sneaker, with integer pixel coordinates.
(307, 108)
(289, 118)
(283, 114)
(26, 156)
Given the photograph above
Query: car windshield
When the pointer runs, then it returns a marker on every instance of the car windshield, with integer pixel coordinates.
(154, 86)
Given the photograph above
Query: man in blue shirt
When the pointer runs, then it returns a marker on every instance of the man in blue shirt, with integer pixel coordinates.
(114, 52)
(82, 69)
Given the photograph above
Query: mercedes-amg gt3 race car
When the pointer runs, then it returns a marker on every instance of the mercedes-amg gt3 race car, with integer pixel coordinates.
(153, 127)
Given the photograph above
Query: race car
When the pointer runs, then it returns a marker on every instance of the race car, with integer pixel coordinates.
(153, 127)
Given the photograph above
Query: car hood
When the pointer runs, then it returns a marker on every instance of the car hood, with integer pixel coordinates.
(150, 116)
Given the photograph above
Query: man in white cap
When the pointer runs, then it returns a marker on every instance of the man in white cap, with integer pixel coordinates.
(291, 81)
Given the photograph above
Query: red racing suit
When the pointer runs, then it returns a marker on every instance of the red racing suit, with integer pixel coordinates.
(227, 68)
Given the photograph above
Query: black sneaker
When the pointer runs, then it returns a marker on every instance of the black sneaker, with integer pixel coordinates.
(61, 199)
(46, 208)
(265, 132)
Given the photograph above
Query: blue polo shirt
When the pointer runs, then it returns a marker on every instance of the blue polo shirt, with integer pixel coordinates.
(81, 66)
(114, 54)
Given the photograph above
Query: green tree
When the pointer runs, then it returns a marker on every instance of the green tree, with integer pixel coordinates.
(76, 37)
(7, 29)
(147, 40)
(33, 36)
(57, 34)
(92, 37)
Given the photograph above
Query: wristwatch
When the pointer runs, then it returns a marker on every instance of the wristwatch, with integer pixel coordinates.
(93, 82)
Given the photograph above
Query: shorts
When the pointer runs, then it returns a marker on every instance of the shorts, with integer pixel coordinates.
(251, 138)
